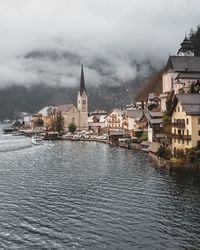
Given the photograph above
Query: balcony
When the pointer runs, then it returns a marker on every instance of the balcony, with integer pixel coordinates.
(181, 137)
(178, 124)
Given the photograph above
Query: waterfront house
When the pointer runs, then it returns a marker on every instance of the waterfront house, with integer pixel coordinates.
(96, 120)
(155, 128)
(114, 119)
(135, 121)
(47, 115)
(185, 122)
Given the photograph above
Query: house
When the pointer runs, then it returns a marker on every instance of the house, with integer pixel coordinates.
(47, 115)
(135, 121)
(96, 120)
(181, 71)
(153, 101)
(114, 120)
(155, 129)
(185, 122)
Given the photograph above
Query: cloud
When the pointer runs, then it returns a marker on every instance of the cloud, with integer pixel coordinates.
(108, 36)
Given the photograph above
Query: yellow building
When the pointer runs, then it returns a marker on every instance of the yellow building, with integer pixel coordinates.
(186, 122)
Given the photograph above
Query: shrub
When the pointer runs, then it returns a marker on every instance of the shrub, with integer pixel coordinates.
(72, 127)
(180, 153)
(164, 152)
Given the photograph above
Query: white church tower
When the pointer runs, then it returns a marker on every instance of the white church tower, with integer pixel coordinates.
(82, 103)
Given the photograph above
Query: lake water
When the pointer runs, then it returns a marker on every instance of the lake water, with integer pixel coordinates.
(87, 195)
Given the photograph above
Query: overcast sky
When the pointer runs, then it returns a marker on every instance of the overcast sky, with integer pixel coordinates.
(116, 32)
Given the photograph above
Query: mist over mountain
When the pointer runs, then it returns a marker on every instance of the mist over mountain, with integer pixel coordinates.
(58, 78)
(120, 43)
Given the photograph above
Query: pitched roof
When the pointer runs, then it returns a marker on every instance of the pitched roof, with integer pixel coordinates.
(154, 147)
(188, 76)
(65, 108)
(135, 114)
(184, 63)
(156, 114)
(190, 103)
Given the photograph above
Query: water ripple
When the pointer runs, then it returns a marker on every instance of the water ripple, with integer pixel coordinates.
(66, 195)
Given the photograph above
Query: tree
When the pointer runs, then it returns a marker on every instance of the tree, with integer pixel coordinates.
(59, 123)
(72, 127)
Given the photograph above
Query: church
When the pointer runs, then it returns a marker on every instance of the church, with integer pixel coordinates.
(77, 115)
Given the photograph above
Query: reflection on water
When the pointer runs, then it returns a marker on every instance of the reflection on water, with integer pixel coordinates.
(67, 195)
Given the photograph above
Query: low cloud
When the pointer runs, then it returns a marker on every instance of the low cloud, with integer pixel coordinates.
(109, 37)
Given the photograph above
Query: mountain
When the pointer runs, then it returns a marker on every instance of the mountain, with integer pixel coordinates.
(152, 85)
(56, 73)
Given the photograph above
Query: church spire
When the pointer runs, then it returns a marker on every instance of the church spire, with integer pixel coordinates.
(82, 82)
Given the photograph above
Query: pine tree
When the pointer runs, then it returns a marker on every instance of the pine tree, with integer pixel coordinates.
(59, 123)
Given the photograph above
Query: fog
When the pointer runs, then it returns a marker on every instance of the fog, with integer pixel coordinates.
(109, 37)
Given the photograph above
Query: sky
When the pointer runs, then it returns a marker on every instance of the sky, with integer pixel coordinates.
(107, 36)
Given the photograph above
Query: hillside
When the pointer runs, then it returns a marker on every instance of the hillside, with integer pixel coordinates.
(153, 84)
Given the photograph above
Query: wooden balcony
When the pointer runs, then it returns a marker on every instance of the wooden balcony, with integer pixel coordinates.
(181, 137)
(178, 124)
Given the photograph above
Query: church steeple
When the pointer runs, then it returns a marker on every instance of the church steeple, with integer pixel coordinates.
(82, 103)
(82, 82)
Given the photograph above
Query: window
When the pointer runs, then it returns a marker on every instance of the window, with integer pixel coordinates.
(199, 121)
(174, 140)
(187, 121)
(178, 140)
(174, 131)
(178, 109)
(187, 142)
(199, 132)
(187, 132)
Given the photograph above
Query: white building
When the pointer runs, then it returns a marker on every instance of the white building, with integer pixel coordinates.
(115, 119)
(185, 63)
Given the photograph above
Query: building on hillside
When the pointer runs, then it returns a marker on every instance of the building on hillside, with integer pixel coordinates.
(77, 115)
(185, 122)
(114, 120)
(155, 128)
(153, 101)
(184, 81)
(186, 65)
